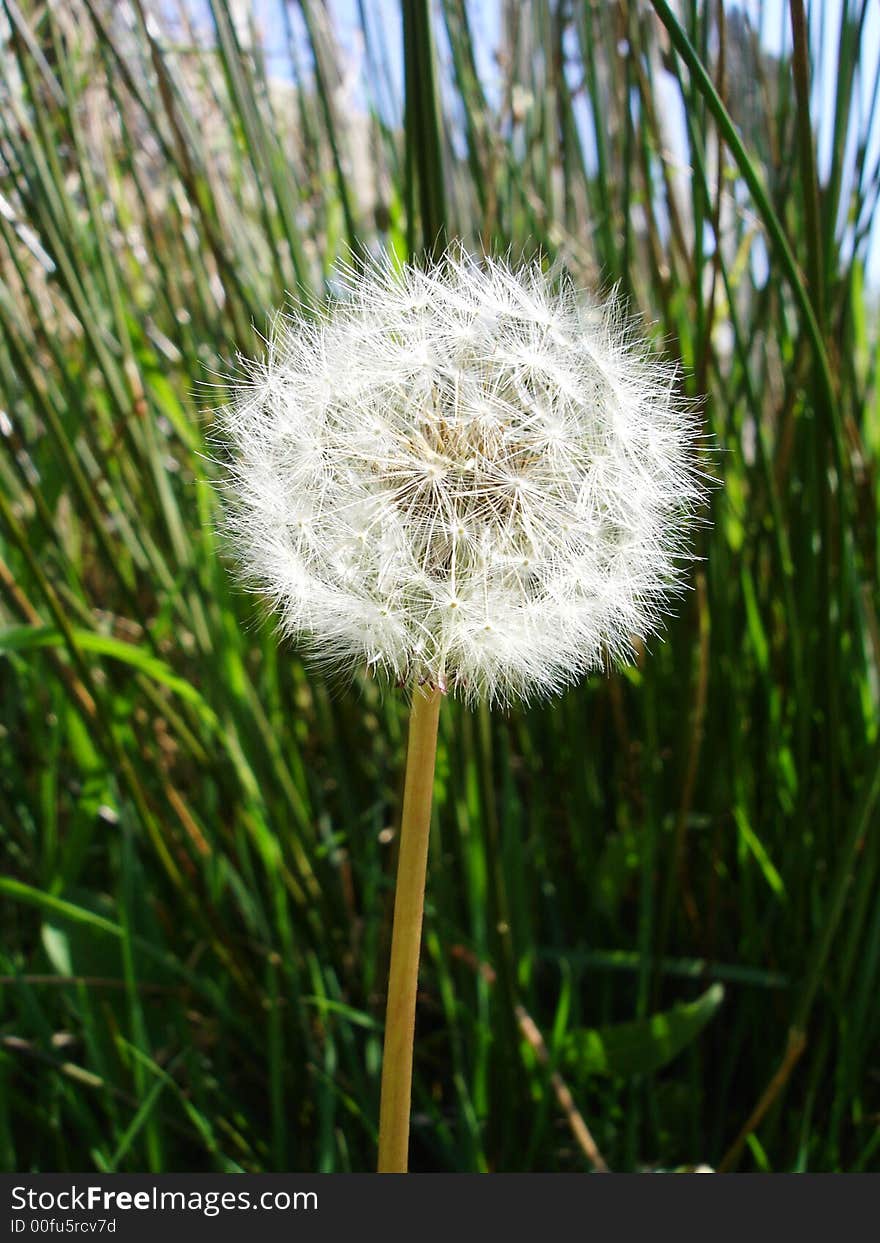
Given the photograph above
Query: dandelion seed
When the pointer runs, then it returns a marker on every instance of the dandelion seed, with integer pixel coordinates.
(464, 439)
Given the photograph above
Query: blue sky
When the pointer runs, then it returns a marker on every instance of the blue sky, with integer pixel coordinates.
(768, 17)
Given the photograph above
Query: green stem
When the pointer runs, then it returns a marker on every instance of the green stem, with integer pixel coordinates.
(406, 936)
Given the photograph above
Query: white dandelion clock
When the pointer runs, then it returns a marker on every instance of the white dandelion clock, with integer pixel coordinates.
(470, 479)
(466, 477)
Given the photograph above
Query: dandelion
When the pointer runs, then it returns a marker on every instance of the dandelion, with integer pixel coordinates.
(471, 480)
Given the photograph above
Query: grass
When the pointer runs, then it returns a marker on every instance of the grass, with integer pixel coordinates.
(652, 908)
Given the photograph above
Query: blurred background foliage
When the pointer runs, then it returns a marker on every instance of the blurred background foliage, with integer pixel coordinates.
(653, 931)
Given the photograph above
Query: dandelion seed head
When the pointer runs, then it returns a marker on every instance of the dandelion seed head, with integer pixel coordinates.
(467, 475)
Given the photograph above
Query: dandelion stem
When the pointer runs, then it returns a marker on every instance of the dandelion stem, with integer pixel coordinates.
(406, 936)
